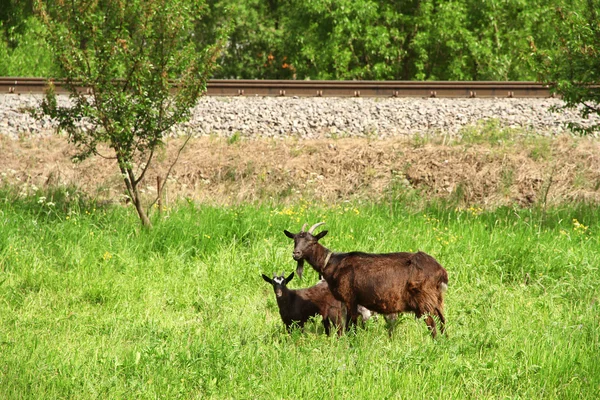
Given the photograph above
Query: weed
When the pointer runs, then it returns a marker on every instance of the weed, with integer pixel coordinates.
(234, 138)
(539, 148)
(489, 132)
(507, 177)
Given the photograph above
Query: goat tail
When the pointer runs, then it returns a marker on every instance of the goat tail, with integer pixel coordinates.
(443, 281)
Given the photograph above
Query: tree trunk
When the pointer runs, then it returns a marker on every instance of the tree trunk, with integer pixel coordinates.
(132, 188)
(140, 210)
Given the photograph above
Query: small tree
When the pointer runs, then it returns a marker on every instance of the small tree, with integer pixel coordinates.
(572, 67)
(144, 71)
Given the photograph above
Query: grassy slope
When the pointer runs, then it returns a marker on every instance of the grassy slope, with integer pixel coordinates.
(93, 308)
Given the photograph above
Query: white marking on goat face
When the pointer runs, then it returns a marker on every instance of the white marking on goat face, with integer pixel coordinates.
(278, 282)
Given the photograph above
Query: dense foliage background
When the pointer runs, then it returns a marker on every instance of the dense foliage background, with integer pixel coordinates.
(345, 39)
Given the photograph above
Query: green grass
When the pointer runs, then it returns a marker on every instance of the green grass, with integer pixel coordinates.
(94, 307)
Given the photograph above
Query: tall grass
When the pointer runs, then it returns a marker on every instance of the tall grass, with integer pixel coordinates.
(93, 307)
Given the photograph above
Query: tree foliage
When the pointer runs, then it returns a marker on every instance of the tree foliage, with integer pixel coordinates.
(572, 66)
(144, 68)
(22, 49)
(346, 39)
(417, 39)
(254, 48)
(24, 54)
(368, 39)
(13, 18)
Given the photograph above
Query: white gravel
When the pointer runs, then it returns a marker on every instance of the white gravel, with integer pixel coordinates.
(304, 117)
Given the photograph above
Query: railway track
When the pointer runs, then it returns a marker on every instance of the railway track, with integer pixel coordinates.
(246, 87)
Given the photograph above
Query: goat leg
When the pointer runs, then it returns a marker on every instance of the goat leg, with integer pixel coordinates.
(391, 320)
(429, 321)
(438, 312)
(352, 310)
(431, 325)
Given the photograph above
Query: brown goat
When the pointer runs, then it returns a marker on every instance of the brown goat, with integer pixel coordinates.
(297, 306)
(384, 283)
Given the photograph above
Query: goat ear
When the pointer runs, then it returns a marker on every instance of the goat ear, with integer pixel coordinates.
(288, 234)
(289, 278)
(320, 235)
(266, 278)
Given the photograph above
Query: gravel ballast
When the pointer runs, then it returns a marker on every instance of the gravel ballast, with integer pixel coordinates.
(307, 118)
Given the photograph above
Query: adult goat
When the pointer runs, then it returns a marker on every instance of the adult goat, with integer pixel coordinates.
(384, 283)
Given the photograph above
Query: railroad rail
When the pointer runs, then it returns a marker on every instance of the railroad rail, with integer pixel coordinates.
(247, 87)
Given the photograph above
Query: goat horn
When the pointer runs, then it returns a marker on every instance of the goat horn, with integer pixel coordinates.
(312, 228)
(303, 228)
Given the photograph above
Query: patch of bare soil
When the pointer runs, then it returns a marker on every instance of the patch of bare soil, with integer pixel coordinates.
(214, 170)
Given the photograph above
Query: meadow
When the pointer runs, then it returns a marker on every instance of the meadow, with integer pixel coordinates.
(93, 306)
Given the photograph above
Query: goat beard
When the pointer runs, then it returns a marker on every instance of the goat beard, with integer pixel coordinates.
(300, 268)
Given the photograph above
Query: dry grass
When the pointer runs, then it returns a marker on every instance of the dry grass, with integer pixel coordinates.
(523, 170)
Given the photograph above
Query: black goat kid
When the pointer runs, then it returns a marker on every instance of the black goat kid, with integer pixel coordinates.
(297, 306)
